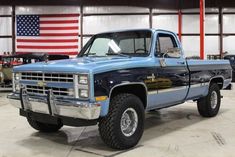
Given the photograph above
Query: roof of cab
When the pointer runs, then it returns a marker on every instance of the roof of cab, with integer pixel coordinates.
(140, 29)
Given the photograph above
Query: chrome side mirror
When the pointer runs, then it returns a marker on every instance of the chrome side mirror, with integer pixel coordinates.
(172, 53)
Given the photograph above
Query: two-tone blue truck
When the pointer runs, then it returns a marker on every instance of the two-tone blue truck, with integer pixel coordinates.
(115, 79)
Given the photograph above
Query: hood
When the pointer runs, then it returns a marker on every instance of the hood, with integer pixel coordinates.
(87, 64)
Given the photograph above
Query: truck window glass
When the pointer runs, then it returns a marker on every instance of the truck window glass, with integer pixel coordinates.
(136, 45)
(100, 46)
(167, 47)
(133, 43)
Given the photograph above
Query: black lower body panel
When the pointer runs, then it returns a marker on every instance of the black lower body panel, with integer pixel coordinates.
(46, 118)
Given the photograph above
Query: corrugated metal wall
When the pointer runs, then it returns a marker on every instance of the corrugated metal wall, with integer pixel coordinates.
(99, 19)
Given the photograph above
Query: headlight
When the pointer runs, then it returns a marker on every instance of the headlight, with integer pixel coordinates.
(82, 86)
(17, 76)
(82, 79)
(16, 84)
(83, 93)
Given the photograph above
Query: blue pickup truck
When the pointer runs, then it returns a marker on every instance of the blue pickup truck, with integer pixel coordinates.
(114, 80)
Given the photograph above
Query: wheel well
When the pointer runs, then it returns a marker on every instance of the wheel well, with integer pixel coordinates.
(136, 89)
(218, 81)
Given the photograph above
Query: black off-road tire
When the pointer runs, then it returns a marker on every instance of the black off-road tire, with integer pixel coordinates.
(43, 127)
(204, 104)
(110, 126)
(229, 87)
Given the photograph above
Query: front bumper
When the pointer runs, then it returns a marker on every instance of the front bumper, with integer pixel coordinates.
(53, 106)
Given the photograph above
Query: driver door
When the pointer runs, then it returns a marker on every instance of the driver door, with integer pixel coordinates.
(172, 72)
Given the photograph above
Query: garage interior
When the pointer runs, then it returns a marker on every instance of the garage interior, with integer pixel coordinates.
(206, 29)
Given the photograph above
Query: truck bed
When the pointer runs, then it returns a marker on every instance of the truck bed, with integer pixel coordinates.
(203, 71)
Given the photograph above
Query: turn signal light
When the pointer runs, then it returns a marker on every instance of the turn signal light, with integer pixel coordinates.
(101, 98)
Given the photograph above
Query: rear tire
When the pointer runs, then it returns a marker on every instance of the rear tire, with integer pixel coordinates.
(123, 127)
(229, 87)
(209, 106)
(43, 127)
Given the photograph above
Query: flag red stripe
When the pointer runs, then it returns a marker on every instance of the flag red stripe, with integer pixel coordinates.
(59, 34)
(53, 53)
(60, 15)
(47, 47)
(47, 41)
(59, 22)
(59, 28)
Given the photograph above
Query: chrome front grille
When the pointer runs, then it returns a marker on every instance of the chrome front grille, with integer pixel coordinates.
(32, 76)
(44, 90)
(47, 77)
(43, 82)
(58, 77)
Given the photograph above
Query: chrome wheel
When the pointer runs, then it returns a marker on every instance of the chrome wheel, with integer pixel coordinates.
(209, 105)
(214, 99)
(129, 122)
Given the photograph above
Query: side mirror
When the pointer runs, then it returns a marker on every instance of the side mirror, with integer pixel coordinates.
(173, 52)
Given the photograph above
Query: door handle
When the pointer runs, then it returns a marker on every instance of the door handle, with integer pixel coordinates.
(182, 62)
(162, 62)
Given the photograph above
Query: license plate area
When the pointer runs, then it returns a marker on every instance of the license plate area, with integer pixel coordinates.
(35, 105)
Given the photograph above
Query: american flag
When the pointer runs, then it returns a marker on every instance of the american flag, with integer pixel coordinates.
(52, 34)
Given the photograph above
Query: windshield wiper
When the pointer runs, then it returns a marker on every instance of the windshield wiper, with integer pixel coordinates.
(119, 54)
(90, 54)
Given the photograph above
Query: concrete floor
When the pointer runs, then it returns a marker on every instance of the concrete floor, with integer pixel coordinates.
(174, 132)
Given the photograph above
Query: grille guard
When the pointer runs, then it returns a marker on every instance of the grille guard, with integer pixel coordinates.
(55, 106)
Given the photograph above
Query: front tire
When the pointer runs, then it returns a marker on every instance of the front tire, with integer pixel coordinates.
(43, 127)
(209, 106)
(123, 127)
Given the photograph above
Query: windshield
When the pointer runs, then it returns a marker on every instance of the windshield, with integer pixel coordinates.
(130, 43)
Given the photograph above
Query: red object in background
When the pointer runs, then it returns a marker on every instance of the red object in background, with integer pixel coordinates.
(14, 63)
(202, 31)
(180, 25)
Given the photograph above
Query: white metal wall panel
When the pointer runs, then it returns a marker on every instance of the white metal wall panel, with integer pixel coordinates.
(228, 9)
(191, 45)
(211, 24)
(47, 9)
(208, 10)
(229, 45)
(229, 23)
(190, 24)
(5, 26)
(197, 10)
(114, 9)
(5, 10)
(211, 45)
(96, 24)
(5, 45)
(164, 11)
(5, 29)
(167, 22)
